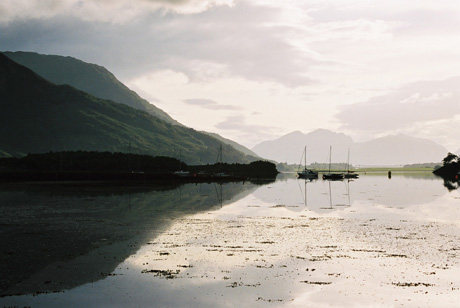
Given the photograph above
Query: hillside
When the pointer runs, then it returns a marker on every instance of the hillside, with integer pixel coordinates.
(37, 116)
(389, 150)
(89, 78)
(237, 146)
(98, 81)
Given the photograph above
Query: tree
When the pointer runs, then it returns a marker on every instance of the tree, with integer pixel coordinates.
(450, 159)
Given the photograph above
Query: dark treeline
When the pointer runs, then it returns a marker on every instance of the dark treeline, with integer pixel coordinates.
(450, 171)
(257, 169)
(450, 167)
(83, 165)
(82, 161)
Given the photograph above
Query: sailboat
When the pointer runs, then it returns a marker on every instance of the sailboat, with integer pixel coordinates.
(329, 175)
(350, 174)
(181, 173)
(219, 162)
(307, 173)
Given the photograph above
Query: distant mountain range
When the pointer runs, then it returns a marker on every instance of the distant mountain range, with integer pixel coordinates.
(38, 116)
(385, 151)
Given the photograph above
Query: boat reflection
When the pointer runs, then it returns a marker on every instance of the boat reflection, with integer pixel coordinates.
(402, 190)
(329, 193)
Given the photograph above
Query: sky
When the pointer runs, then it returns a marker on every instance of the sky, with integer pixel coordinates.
(254, 70)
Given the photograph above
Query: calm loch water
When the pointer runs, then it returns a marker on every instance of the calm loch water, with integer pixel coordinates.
(370, 242)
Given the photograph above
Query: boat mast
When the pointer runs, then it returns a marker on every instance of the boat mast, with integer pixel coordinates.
(330, 158)
(348, 161)
(305, 157)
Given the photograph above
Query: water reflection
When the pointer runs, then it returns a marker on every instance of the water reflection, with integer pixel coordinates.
(402, 190)
(290, 243)
(58, 236)
(451, 185)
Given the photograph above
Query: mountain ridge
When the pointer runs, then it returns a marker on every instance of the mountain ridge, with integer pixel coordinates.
(87, 77)
(37, 116)
(98, 81)
(389, 150)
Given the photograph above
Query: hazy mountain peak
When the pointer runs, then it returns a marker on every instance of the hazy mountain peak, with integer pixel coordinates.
(322, 132)
(289, 148)
(388, 150)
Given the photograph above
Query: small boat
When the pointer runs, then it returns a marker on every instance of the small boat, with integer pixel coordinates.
(332, 176)
(182, 173)
(350, 174)
(221, 175)
(307, 173)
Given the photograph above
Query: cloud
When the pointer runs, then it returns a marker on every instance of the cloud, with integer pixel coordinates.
(115, 11)
(412, 104)
(247, 134)
(243, 40)
(209, 104)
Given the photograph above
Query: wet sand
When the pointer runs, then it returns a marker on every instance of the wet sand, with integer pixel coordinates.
(309, 261)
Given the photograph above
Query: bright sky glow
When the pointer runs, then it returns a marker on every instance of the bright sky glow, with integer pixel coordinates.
(254, 70)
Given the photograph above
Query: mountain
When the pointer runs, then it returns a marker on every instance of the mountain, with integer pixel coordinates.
(289, 148)
(398, 150)
(237, 146)
(87, 77)
(38, 116)
(98, 81)
(389, 150)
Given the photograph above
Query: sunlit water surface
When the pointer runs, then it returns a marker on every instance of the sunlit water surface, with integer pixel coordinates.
(370, 242)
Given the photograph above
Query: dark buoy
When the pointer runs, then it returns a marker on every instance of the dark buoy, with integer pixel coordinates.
(389, 174)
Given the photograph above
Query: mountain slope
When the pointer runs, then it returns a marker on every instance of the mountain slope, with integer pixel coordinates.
(398, 150)
(90, 78)
(389, 150)
(237, 146)
(98, 81)
(38, 116)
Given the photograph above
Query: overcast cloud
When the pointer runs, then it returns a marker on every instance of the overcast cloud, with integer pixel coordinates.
(253, 70)
(404, 107)
(209, 104)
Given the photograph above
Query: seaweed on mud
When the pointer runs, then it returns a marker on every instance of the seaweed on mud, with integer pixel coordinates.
(369, 250)
(270, 300)
(320, 283)
(395, 256)
(240, 284)
(264, 266)
(412, 284)
(168, 274)
(320, 258)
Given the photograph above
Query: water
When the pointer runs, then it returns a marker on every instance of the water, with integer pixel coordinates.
(370, 242)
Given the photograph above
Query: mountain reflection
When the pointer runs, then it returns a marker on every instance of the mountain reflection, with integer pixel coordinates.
(58, 236)
(402, 190)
